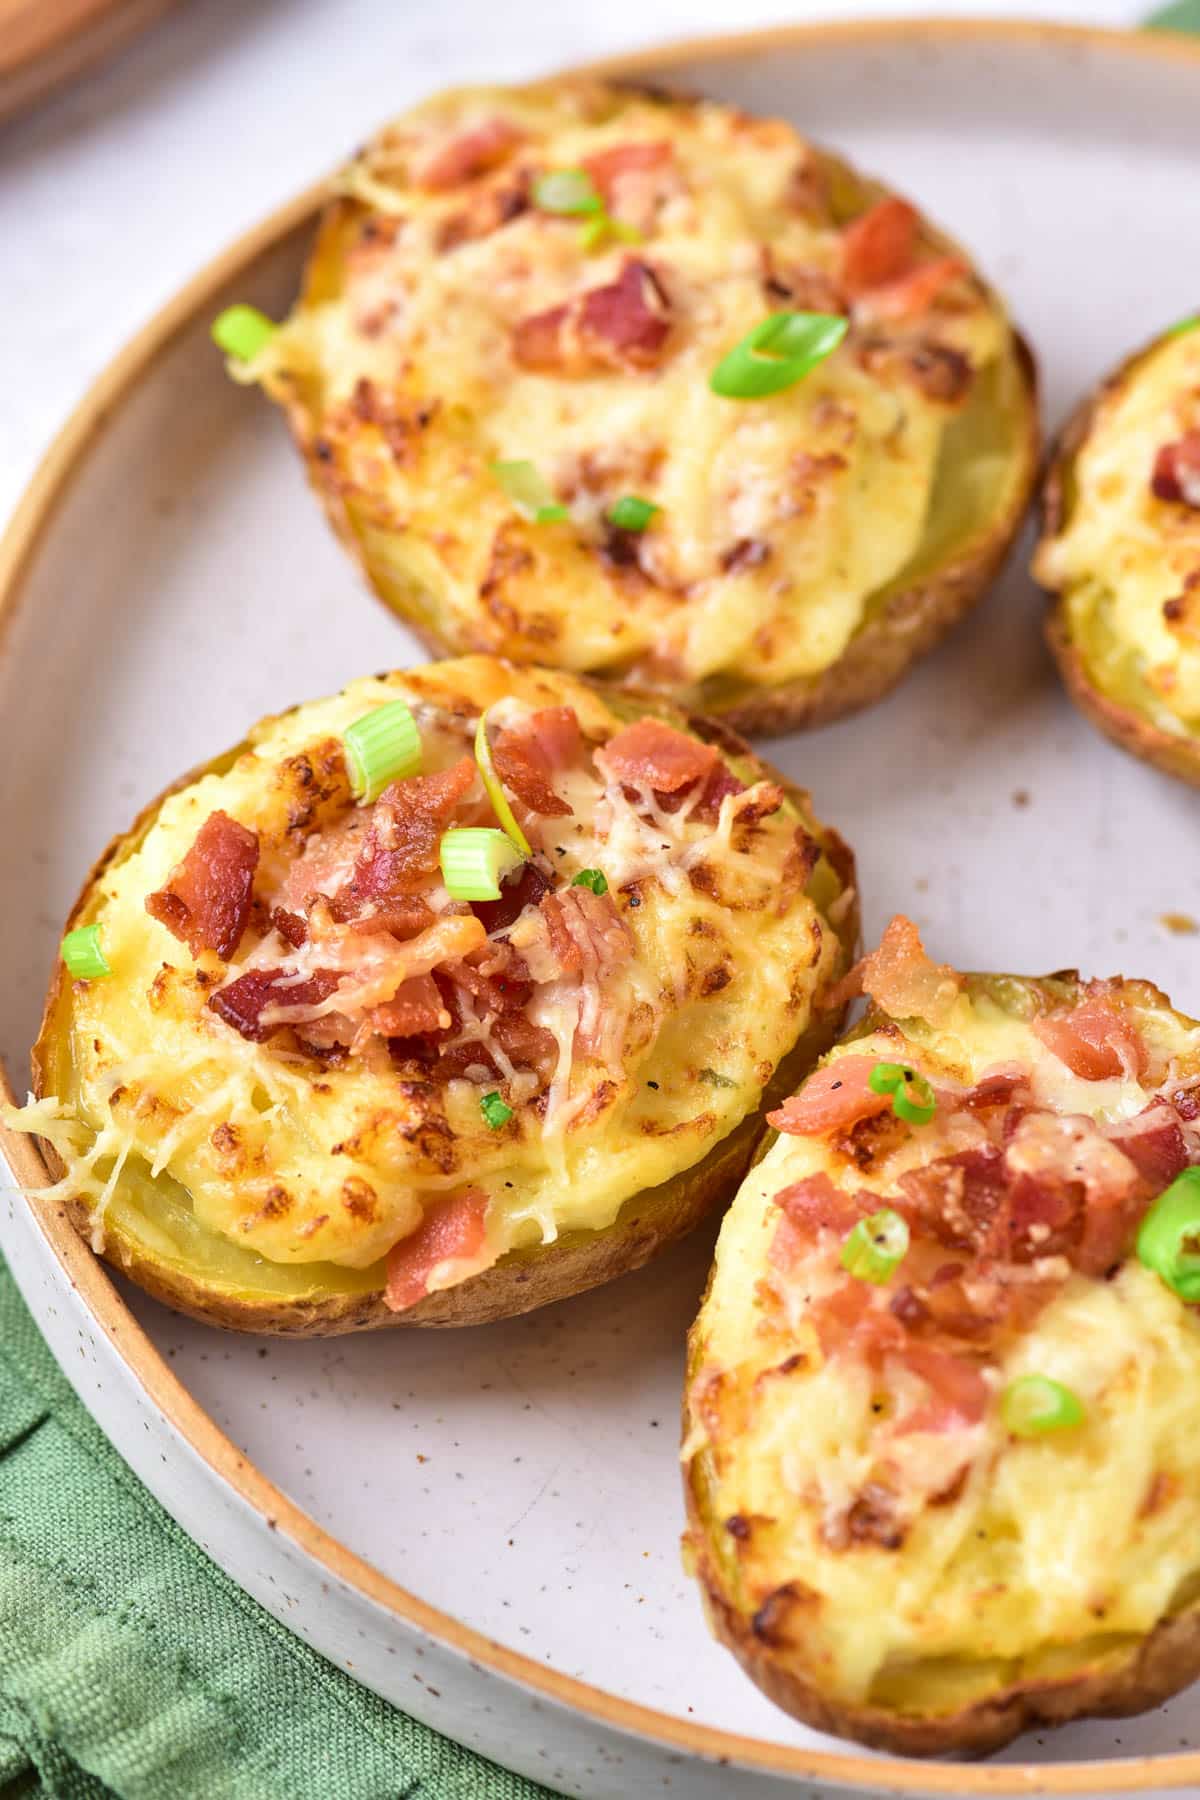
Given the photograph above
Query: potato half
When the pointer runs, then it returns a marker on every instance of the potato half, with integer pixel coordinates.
(318, 1093)
(942, 1476)
(544, 279)
(1120, 553)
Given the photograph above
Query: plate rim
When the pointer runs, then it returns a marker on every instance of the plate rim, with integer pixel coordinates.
(62, 462)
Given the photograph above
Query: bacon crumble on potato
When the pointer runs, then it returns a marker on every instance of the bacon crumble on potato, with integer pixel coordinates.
(805, 548)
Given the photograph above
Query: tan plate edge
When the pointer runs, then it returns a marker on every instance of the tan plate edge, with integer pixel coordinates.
(86, 1274)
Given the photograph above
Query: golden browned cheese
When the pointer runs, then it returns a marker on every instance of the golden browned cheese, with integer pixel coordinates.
(269, 1156)
(882, 1566)
(450, 321)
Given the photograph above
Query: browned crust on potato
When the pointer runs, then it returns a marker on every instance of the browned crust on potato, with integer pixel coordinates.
(1123, 725)
(1121, 1681)
(524, 1279)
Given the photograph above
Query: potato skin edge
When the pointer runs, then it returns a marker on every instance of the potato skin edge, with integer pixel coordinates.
(1159, 1664)
(1123, 725)
(523, 1280)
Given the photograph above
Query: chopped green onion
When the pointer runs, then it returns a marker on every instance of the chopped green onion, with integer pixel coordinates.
(912, 1096)
(242, 331)
(382, 746)
(527, 490)
(630, 513)
(1183, 326)
(495, 787)
(1181, 15)
(603, 226)
(779, 351)
(592, 878)
(82, 954)
(475, 859)
(1034, 1403)
(494, 1111)
(1169, 1238)
(876, 1247)
(569, 191)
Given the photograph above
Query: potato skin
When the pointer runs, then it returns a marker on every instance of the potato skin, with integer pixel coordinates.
(1132, 1678)
(522, 1280)
(905, 626)
(1123, 725)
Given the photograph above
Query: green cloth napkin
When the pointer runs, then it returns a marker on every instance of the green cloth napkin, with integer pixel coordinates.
(131, 1666)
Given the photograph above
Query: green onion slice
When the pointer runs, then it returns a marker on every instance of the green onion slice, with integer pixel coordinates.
(475, 859)
(529, 493)
(569, 191)
(1183, 326)
(82, 954)
(382, 746)
(495, 787)
(592, 878)
(1169, 1239)
(781, 349)
(631, 513)
(1035, 1403)
(876, 1247)
(494, 1111)
(912, 1096)
(242, 331)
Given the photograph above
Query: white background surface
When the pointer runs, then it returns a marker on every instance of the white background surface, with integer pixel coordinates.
(113, 192)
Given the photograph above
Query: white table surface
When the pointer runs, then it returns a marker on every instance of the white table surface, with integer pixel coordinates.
(114, 191)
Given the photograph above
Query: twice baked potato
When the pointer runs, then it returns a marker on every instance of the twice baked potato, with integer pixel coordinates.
(942, 1472)
(1120, 552)
(437, 1000)
(641, 386)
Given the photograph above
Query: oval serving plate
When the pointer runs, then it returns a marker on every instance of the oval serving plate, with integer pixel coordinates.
(483, 1525)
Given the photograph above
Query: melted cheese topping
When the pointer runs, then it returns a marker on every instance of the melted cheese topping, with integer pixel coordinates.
(399, 363)
(166, 1109)
(1123, 555)
(1056, 1549)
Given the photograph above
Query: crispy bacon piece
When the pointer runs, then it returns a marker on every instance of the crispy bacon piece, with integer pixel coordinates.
(651, 754)
(414, 1010)
(290, 926)
(527, 756)
(850, 1320)
(610, 168)
(1093, 1039)
(588, 936)
(451, 1240)
(623, 325)
(957, 1199)
(1177, 471)
(1068, 1177)
(400, 850)
(815, 1204)
(879, 246)
(206, 900)
(528, 889)
(470, 154)
(1154, 1143)
(901, 978)
(915, 292)
(832, 1099)
(958, 1392)
(996, 1087)
(721, 781)
(243, 1002)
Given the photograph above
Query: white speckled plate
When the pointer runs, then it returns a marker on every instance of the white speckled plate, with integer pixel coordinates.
(484, 1525)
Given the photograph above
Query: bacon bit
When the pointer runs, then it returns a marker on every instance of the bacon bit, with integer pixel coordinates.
(849, 1322)
(901, 978)
(913, 293)
(587, 934)
(451, 1240)
(721, 783)
(610, 168)
(1075, 1183)
(623, 325)
(833, 1098)
(527, 1046)
(873, 1518)
(206, 900)
(401, 847)
(1186, 1101)
(403, 915)
(1176, 474)
(997, 1087)
(957, 1199)
(1154, 1143)
(935, 370)
(468, 155)
(290, 926)
(243, 1002)
(414, 1010)
(651, 754)
(528, 889)
(527, 755)
(815, 1205)
(959, 1392)
(879, 246)
(1094, 1040)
